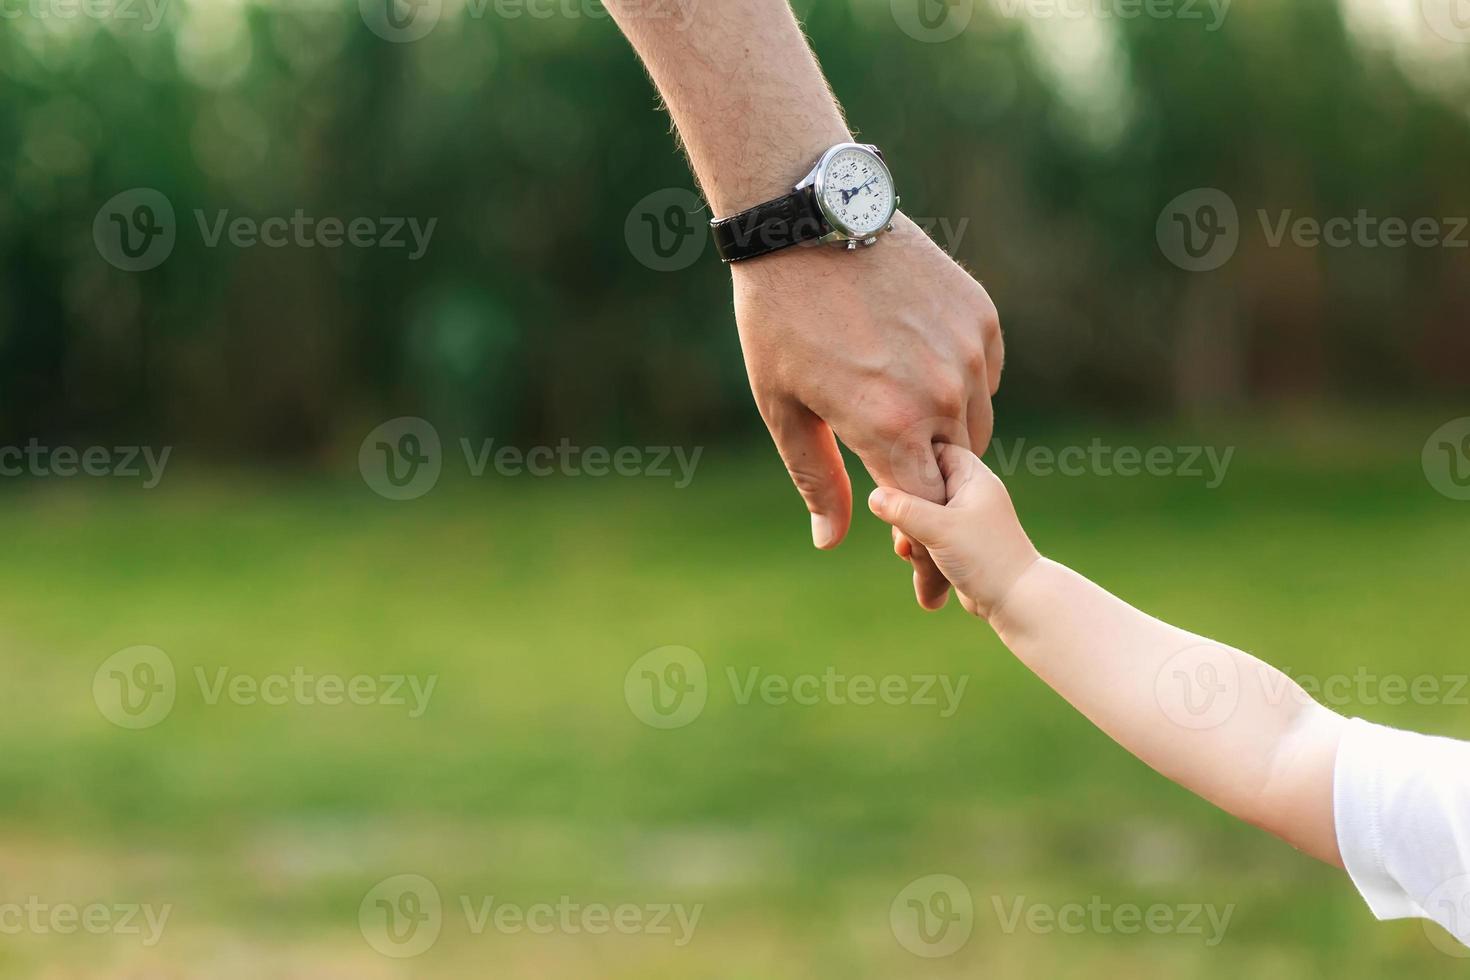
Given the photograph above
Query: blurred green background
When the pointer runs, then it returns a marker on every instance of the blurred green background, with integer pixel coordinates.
(1055, 142)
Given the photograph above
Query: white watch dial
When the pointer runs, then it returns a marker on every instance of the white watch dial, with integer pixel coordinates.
(857, 192)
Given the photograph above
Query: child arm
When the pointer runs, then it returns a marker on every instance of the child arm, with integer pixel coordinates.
(1216, 720)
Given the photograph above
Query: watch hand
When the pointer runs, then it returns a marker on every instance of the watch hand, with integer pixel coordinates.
(849, 195)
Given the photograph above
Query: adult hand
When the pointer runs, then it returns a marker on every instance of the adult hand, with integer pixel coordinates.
(894, 349)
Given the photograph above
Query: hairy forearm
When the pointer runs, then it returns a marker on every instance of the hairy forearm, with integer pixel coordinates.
(744, 90)
(1215, 720)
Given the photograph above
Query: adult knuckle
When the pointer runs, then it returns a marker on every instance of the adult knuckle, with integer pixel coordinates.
(974, 361)
(947, 396)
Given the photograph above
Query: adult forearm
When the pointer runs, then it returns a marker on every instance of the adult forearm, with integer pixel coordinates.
(744, 90)
(1214, 719)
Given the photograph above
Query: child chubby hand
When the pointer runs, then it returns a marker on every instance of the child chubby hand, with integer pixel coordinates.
(1389, 806)
(975, 539)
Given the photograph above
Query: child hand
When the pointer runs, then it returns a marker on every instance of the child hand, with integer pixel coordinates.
(975, 539)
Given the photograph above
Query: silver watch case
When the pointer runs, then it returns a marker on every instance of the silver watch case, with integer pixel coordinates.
(840, 235)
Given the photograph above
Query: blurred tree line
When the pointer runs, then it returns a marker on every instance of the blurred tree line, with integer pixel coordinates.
(1052, 142)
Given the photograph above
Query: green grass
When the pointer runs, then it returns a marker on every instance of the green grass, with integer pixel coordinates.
(528, 777)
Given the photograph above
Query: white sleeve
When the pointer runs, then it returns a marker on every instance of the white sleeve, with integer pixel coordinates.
(1401, 802)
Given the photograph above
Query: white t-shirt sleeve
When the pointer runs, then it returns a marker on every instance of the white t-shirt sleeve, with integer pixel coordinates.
(1401, 802)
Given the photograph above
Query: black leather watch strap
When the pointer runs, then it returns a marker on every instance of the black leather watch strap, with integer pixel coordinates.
(769, 227)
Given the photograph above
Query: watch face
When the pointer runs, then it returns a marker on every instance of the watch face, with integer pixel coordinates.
(857, 192)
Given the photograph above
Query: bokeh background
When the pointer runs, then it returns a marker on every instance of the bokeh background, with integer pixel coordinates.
(1048, 147)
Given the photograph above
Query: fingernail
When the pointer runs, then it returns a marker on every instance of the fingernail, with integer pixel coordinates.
(822, 530)
(875, 500)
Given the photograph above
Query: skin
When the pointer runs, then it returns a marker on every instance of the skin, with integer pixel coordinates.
(1268, 760)
(894, 350)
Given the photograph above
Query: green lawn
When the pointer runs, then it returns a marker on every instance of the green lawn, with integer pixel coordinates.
(529, 778)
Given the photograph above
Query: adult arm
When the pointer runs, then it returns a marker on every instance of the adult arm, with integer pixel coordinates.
(892, 349)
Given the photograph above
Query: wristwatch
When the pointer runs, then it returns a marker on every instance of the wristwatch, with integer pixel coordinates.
(847, 200)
